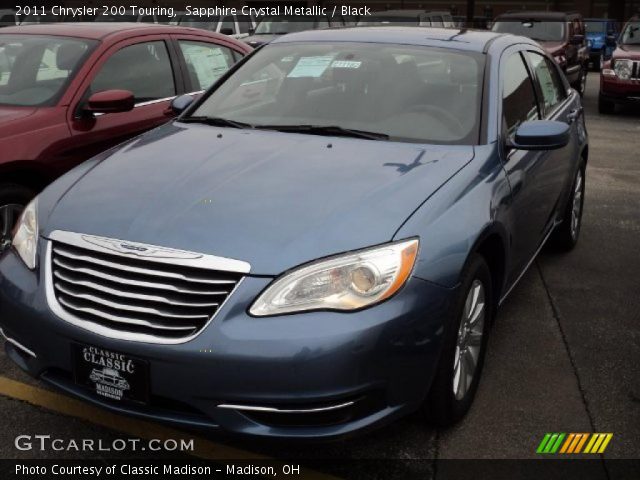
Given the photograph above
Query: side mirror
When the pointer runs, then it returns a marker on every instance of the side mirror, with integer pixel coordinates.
(541, 135)
(611, 41)
(181, 103)
(110, 101)
(577, 40)
(226, 31)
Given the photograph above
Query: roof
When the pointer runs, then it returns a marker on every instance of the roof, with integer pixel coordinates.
(92, 30)
(542, 14)
(470, 40)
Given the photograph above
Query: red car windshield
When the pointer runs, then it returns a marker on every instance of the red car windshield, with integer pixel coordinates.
(35, 70)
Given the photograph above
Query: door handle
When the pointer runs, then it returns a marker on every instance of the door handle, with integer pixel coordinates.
(574, 115)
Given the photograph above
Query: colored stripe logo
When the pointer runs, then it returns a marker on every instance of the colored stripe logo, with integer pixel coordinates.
(568, 443)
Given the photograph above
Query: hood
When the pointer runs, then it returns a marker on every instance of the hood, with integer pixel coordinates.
(627, 51)
(9, 115)
(272, 199)
(257, 40)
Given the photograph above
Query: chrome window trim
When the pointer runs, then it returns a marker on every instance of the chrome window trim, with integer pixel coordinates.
(205, 261)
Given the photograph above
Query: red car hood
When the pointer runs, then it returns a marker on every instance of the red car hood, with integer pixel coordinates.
(627, 51)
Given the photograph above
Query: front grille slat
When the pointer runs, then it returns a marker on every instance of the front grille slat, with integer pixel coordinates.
(133, 296)
(119, 319)
(144, 271)
(124, 281)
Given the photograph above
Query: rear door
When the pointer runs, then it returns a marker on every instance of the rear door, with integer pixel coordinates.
(147, 67)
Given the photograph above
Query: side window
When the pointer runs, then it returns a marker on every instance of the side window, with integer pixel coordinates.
(228, 24)
(144, 69)
(437, 22)
(244, 23)
(206, 62)
(518, 97)
(551, 85)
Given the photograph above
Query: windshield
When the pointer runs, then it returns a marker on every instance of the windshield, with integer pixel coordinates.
(284, 25)
(631, 34)
(596, 27)
(34, 70)
(534, 29)
(412, 94)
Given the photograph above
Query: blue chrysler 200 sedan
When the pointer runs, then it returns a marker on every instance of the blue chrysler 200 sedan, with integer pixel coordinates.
(315, 247)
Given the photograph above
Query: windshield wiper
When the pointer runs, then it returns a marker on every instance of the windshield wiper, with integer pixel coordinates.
(216, 122)
(326, 130)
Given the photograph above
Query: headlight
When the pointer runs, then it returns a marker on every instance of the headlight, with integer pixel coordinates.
(25, 238)
(344, 282)
(623, 69)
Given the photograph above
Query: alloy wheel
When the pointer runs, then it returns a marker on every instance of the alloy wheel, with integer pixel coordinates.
(469, 342)
(583, 82)
(576, 210)
(8, 216)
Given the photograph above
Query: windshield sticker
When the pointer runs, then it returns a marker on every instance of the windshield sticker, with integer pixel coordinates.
(345, 64)
(310, 67)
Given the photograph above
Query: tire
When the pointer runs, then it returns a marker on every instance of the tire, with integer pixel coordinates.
(444, 406)
(13, 198)
(567, 234)
(606, 107)
(581, 84)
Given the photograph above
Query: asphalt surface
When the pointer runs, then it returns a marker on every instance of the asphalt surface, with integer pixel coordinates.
(564, 355)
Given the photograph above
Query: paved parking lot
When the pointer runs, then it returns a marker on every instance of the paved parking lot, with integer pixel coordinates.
(564, 355)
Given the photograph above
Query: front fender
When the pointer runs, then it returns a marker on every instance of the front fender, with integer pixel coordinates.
(450, 224)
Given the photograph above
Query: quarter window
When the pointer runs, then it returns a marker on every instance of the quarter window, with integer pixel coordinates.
(549, 82)
(206, 63)
(143, 69)
(518, 97)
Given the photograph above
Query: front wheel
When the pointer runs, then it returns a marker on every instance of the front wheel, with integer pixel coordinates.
(568, 232)
(605, 107)
(465, 340)
(581, 85)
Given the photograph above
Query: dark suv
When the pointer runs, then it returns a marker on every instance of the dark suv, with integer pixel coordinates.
(562, 35)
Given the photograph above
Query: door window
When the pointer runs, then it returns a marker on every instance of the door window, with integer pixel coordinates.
(206, 62)
(228, 24)
(143, 69)
(549, 81)
(518, 97)
(244, 23)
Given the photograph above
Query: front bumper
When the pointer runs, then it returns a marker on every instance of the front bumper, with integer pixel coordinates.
(620, 91)
(320, 374)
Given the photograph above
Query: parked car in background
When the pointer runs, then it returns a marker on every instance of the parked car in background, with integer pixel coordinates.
(236, 26)
(316, 247)
(67, 94)
(479, 22)
(416, 18)
(8, 18)
(620, 76)
(271, 27)
(561, 34)
(602, 35)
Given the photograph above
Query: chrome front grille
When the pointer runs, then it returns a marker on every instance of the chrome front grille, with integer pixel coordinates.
(113, 288)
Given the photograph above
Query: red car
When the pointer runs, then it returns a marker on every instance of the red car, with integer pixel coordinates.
(70, 91)
(620, 77)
